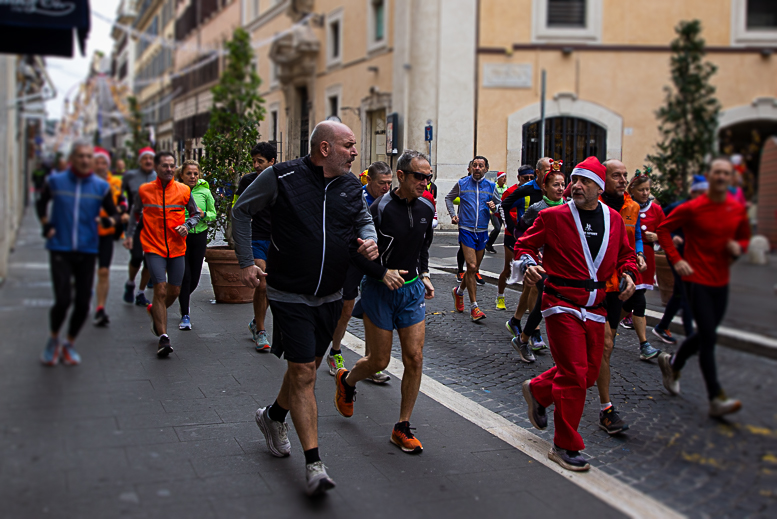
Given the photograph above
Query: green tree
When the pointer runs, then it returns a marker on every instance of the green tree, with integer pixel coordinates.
(689, 119)
(233, 129)
(140, 137)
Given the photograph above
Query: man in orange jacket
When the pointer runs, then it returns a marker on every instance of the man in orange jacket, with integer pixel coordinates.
(163, 204)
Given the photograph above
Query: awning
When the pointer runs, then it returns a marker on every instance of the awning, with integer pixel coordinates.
(43, 27)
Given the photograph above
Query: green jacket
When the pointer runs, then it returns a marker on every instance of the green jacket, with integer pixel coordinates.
(204, 200)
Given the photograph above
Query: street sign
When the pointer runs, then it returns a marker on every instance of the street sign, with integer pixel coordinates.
(428, 133)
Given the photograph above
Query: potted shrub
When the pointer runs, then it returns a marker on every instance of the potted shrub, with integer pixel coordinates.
(232, 132)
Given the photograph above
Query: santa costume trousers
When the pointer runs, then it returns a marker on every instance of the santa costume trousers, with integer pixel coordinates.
(577, 350)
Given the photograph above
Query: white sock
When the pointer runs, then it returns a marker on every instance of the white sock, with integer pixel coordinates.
(164, 335)
(460, 290)
(605, 406)
(473, 305)
(140, 292)
(500, 295)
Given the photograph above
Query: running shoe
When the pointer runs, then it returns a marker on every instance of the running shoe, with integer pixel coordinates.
(536, 341)
(70, 356)
(671, 378)
(476, 314)
(129, 291)
(276, 434)
(52, 352)
(335, 362)
(402, 436)
(570, 460)
(664, 335)
(458, 300)
(318, 480)
(500, 303)
(185, 324)
(627, 323)
(647, 352)
(153, 325)
(479, 279)
(378, 378)
(722, 405)
(140, 300)
(345, 395)
(262, 344)
(101, 318)
(252, 329)
(611, 422)
(150, 285)
(537, 415)
(513, 329)
(523, 350)
(460, 277)
(164, 349)
(490, 249)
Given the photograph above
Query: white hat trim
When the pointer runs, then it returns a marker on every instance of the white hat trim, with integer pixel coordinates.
(588, 174)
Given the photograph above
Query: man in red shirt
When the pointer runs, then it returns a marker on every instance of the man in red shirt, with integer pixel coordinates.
(716, 233)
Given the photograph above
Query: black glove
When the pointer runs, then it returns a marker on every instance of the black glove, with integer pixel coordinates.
(46, 228)
(106, 222)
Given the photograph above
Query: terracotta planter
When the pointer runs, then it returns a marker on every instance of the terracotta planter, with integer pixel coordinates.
(225, 276)
(665, 277)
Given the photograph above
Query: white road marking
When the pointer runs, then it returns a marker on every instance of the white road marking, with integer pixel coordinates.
(605, 487)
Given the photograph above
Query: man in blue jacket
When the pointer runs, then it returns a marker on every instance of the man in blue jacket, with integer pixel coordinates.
(477, 197)
(70, 229)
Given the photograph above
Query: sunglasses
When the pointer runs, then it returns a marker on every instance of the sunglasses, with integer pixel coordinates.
(421, 176)
(528, 177)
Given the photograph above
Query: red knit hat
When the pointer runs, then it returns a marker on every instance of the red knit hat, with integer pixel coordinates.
(591, 168)
(102, 152)
(146, 151)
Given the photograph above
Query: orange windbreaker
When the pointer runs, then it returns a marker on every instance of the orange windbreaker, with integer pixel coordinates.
(629, 213)
(163, 211)
(115, 183)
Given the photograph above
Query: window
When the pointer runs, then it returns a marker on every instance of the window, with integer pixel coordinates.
(274, 126)
(566, 13)
(334, 108)
(569, 139)
(753, 22)
(334, 39)
(761, 14)
(376, 24)
(334, 34)
(566, 21)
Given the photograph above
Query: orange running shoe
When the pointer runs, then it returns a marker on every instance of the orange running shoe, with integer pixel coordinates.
(477, 314)
(458, 300)
(344, 394)
(460, 277)
(403, 438)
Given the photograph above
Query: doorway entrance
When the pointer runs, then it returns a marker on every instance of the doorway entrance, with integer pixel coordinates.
(377, 135)
(570, 139)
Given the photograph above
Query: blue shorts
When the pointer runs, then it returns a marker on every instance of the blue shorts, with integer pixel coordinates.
(260, 249)
(473, 240)
(393, 309)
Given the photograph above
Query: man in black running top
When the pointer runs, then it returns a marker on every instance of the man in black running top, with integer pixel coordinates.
(393, 292)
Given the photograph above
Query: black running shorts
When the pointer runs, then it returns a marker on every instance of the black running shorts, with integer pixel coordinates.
(105, 251)
(614, 307)
(353, 279)
(300, 332)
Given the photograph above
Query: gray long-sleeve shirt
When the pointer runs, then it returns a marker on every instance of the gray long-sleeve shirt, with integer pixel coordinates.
(262, 193)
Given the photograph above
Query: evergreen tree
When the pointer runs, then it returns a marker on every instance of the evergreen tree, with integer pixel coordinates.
(233, 129)
(689, 119)
(140, 137)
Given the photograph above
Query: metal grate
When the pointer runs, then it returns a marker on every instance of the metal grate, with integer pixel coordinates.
(566, 138)
(566, 13)
(762, 14)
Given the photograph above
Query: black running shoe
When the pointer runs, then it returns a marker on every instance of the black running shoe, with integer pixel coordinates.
(611, 422)
(140, 300)
(570, 460)
(101, 318)
(491, 249)
(164, 348)
(479, 279)
(129, 290)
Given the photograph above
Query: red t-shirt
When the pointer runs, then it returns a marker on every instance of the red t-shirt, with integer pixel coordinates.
(708, 227)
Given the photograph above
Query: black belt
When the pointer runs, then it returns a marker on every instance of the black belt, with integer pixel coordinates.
(555, 293)
(588, 284)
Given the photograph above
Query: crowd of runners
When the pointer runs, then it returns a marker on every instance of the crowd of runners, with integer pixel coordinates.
(583, 244)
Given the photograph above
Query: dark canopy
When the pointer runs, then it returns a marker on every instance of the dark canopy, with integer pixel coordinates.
(43, 27)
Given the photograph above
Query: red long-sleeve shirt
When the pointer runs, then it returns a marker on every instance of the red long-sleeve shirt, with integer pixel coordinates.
(708, 227)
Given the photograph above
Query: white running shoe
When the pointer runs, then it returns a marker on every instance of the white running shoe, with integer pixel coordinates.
(671, 378)
(275, 433)
(335, 362)
(318, 480)
(722, 405)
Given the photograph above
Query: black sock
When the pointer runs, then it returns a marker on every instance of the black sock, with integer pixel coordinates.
(311, 456)
(277, 413)
(333, 352)
(514, 321)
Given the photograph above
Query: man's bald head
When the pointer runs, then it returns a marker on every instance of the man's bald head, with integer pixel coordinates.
(616, 178)
(333, 146)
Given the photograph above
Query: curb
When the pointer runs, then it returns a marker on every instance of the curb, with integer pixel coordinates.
(748, 342)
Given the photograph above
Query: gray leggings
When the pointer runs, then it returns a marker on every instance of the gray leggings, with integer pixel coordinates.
(158, 265)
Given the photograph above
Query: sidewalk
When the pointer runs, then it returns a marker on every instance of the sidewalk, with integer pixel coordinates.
(126, 434)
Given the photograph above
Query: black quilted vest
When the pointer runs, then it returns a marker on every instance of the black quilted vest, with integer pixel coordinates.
(312, 228)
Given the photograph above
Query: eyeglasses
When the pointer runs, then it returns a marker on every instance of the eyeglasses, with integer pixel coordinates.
(528, 177)
(421, 176)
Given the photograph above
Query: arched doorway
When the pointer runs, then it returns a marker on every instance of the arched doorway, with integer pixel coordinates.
(570, 139)
(747, 139)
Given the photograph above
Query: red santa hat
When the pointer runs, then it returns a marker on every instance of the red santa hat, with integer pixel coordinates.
(501, 174)
(591, 168)
(146, 151)
(102, 152)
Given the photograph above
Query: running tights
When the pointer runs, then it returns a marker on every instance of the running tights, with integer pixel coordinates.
(535, 316)
(497, 223)
(195, 254)
(71, 270)
(637, 304)
(678, 302)
(708, 305)
(460, 259)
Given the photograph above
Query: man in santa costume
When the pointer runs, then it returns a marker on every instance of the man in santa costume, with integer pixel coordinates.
(584, 242)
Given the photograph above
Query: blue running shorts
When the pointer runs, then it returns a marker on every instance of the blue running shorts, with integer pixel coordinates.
(260, 248)
(473, 240)
(393, 309)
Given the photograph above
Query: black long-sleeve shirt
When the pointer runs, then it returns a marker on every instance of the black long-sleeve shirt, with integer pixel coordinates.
(404, 235)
